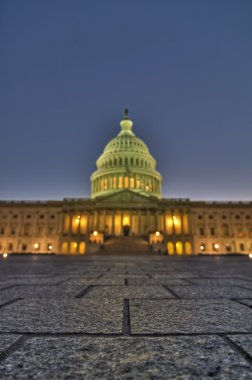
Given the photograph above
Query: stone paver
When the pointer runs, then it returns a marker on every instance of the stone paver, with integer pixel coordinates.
(6, 341)
(189, 316)
(129, 292)
(65, 315)
(244, 341)
(110, 317)
(211, 291)
(126, 358)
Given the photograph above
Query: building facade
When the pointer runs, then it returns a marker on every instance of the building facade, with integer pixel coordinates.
(126, 200)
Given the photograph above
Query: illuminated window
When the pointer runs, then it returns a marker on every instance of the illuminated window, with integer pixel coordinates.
(179, 247)
(188, 248)
(105, 184)
(132, 183)
(101, 184)
(138, 183)
(126, 182)
(170, 248)
(120, 182)
(114, 183)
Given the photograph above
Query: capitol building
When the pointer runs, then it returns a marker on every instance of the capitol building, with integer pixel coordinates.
(126, 202)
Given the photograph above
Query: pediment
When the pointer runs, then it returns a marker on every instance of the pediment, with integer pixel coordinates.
(125, 196)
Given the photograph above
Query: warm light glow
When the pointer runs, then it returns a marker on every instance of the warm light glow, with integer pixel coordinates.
(147, 188)
(126, 220)
(216, 246)
(36, 245)
(75, 245)
(157, 233)
(5, 255)
(250, 255)
(95, 233)
(77, 220)
(120, 182)
(202, 247)
(50, 247)
(126, 182)
(114, 183)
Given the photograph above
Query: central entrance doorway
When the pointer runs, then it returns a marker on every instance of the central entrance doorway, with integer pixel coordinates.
(126, 230)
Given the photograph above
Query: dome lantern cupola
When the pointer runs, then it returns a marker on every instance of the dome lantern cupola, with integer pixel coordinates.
(126, 163)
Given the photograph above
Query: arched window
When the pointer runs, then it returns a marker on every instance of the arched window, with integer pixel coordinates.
(64, 247)
(188, 248)
(120, 161)
(137, 161)
(132, 161)
(126, 161)
(170, 248)
(115, 161)
(82, 247)
(179, 248)
(141, 162)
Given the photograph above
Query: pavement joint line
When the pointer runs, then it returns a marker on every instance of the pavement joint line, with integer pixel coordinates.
(148, 275)
(111, 335)
(240, 302)
(171, 291)
(242, 287)
(13, 347)
(189, 282)
(9, 287)
(83, 292)
(100, 276)
(126, 328)
(237, 348)
(10, 302)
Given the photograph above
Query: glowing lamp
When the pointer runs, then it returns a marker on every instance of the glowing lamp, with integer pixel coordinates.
(250, 255)
(216, 246)
(50, 247)
(5, 255)
(157, 233)
(202, 247)
(95, 233)
(36, 245)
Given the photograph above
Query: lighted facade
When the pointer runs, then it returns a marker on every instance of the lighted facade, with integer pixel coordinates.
(126, 199)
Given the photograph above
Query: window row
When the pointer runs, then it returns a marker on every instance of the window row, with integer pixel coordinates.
(225, 217)
(145, 183)
(125, 161)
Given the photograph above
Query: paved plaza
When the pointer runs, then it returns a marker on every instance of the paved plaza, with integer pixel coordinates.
(125, 317)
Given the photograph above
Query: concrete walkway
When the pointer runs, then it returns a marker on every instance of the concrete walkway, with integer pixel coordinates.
(119, 317)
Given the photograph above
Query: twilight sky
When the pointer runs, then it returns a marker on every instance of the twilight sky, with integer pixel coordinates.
(69, 68)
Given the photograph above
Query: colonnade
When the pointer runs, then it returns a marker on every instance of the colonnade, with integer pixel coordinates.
(140, 221)
(120, 181)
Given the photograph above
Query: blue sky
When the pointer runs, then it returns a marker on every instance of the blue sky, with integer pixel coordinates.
(69, 68)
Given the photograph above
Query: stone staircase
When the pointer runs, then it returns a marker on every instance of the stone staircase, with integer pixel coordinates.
(126, 245)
